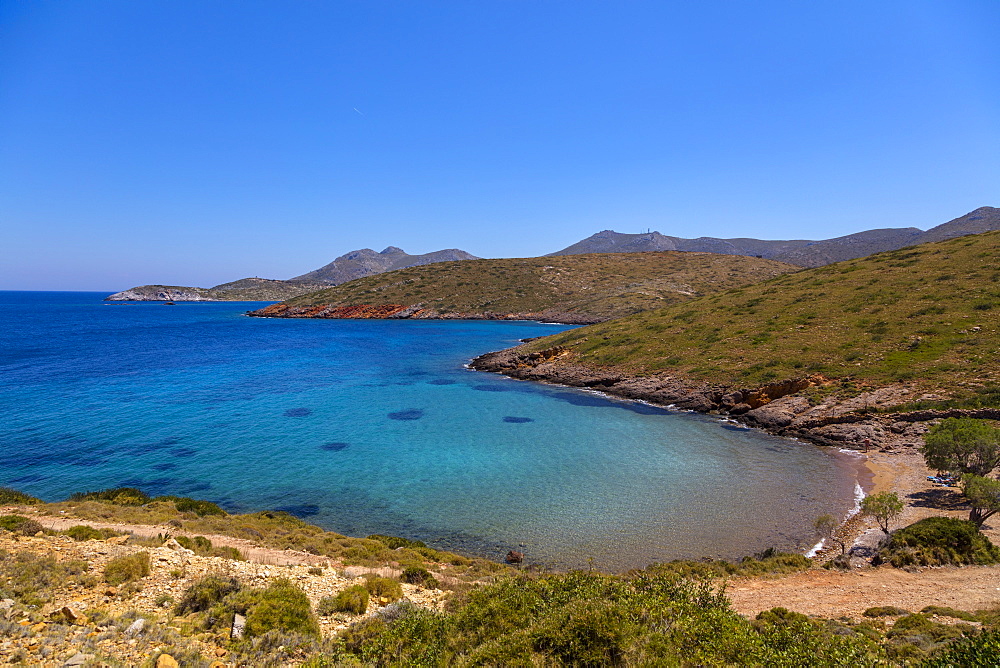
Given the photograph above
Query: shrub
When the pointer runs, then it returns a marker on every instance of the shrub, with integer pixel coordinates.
(981, 650)
(942, 611)
(19, 524)
(82, 532)
(198, 544)
(385, 590)
(281, 606)
(127, 568)
(185, 504)
(938, 541)
(206, 592)
(119, 496)
(227, 552)
(353, 600)
(9, 496)
(418, 575)
(393, 542)
(885, 611)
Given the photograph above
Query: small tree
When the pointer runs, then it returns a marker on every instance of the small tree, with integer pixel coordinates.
(826, 529)
(962, 446)
(884, 507)
(983, 495)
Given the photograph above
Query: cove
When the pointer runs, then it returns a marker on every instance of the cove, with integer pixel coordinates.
(376, 426)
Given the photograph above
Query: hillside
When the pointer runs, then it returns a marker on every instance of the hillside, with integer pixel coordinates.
(800, 252)
(926, 316)
(576, 289)
(366, 262)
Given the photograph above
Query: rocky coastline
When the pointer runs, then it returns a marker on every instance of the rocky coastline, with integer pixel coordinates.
(862, 422)
(413, 312)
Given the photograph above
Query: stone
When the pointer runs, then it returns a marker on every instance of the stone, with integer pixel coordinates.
(39, 627)
(166, 661)
(118, 540)
(515, 557)
(239, 626)
(136, 627)
(220, 652)
(68, 615)
(78, 659)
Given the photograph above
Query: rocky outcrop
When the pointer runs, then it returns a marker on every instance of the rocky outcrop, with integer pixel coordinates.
(161, 293)
(415, 311)
(857, 422)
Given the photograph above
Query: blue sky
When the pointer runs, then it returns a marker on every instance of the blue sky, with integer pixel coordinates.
(193, 143)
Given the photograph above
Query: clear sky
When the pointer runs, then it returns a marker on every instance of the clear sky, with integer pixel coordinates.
(196, 142)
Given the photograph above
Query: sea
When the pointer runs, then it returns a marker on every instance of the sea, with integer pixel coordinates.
(378, 426)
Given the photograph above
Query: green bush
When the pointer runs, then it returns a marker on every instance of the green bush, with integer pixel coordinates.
(227, 552)
(384, 590)
(127, 568)
(281, 606)
(9, 496)
(197, 544)
(119, 496)
(185, 504)
(19, 524)
(418, 575)
(885, 611)
(354, 600)
(82, 532)
(938, 541)
(980, 650)
(393, 542)
(942, 611)
(207, 592)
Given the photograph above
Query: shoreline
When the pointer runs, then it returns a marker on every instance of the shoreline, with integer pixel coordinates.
(888, 442)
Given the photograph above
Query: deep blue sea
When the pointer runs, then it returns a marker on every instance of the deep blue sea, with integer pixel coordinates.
(376, 426)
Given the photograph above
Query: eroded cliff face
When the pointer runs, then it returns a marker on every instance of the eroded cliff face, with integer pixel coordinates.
(857, 422)
(415, 311)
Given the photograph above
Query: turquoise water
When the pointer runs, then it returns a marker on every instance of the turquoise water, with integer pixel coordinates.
(377, 427)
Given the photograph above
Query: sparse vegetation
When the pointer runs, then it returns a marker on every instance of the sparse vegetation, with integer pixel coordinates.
(869, 310)
(9, 496)
(20, 524)
(595, 286)
(384, 590)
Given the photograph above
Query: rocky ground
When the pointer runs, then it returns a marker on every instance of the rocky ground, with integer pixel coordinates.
(68, 626)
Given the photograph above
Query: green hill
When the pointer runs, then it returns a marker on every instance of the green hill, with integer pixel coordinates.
(927, 315)
(577, 288)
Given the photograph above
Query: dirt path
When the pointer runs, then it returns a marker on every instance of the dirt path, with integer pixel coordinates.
(252, 552)
(835, 593)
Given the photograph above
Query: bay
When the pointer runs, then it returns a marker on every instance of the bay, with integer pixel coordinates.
(376, 426)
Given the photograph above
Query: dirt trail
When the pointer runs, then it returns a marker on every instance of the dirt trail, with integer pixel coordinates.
(252, 552)
(834, 593)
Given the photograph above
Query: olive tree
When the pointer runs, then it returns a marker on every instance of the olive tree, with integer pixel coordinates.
(826, 529)
(884, 507)
(962, 446)
(983, 495)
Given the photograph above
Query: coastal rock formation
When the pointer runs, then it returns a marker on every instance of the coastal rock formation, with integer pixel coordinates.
(845, 423)
(245, 289)
(407, 311)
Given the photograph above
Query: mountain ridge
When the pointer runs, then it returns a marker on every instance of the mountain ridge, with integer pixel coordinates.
(800, 252)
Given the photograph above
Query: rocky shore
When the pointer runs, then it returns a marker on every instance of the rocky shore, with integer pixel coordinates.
(413, 312)
(864, 421)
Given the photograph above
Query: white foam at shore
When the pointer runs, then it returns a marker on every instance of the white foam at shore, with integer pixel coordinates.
(815, 549)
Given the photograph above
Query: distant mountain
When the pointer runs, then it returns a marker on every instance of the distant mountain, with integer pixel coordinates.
(347, 267)
(366, 262)
(801, 252)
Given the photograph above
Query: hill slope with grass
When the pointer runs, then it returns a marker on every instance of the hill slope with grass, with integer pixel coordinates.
(576, 289)
(926, 317)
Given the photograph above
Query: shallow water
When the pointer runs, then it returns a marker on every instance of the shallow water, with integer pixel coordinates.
(376, 427)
